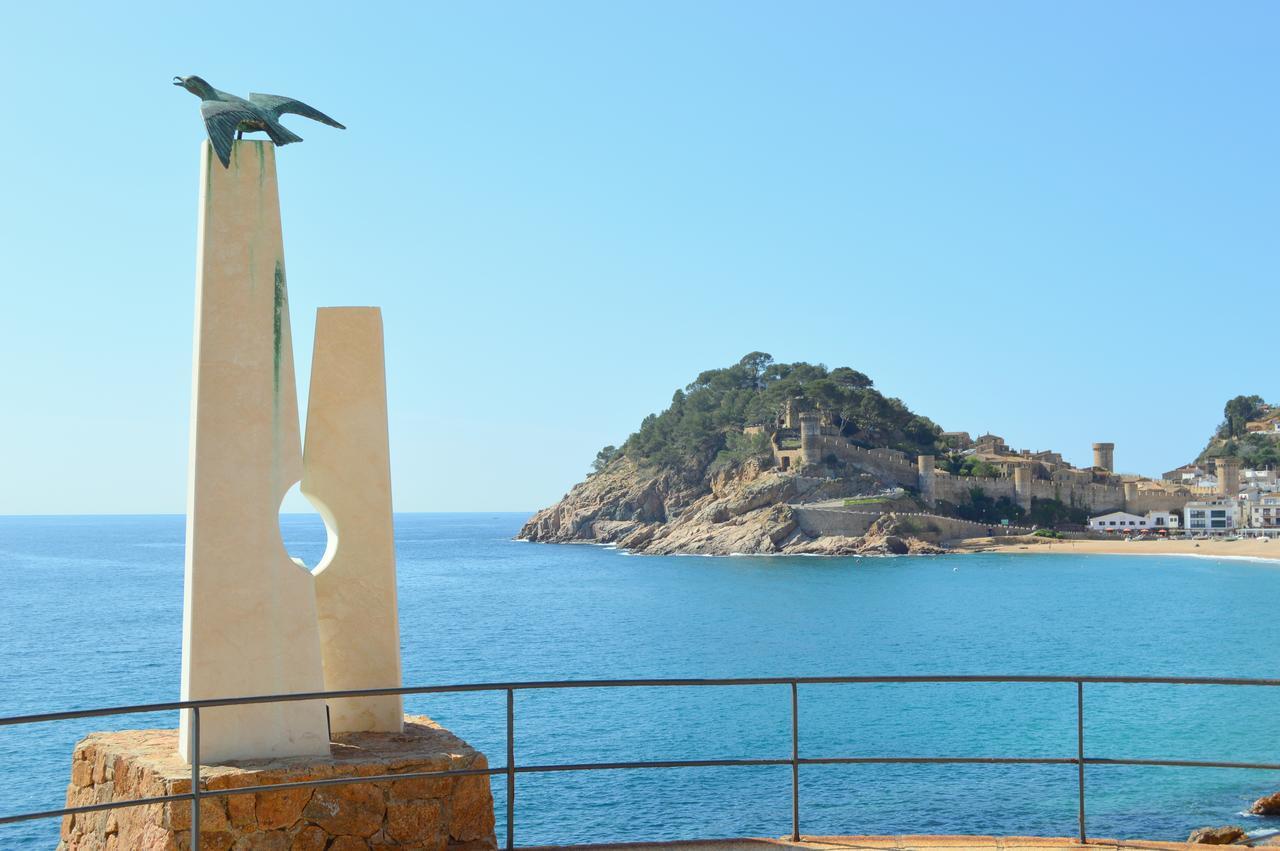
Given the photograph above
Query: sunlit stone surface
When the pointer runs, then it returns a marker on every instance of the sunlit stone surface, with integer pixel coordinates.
(348, 478)
(249, 616)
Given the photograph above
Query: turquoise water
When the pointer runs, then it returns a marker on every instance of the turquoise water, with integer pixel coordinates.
(92, 610)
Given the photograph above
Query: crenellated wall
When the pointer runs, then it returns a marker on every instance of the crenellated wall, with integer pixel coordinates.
(955, 489)
(1071, 488)
(888, 466)
(1091, 496)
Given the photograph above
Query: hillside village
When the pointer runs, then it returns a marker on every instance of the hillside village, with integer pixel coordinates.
(765, 457)
(1213, 497)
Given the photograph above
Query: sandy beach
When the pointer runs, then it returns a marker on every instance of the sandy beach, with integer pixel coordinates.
(1251, 548)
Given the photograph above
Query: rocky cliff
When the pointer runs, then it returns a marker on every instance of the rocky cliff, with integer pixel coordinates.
(744, 508)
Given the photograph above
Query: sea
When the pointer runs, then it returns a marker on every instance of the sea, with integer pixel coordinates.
(91, 615)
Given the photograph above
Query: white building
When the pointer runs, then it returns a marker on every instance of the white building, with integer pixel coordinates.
(1118, 521)
(1212, 515)
(1265, 513)
(1263, 480)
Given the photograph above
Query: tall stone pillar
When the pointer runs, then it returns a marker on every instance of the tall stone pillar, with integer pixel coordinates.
(249, 611)
(1228, 472)
(1022, 486)
(927, 479)
(1104, 456)
(348, 478)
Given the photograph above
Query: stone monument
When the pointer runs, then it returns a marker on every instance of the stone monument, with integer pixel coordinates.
(254, 620)
(257, 622)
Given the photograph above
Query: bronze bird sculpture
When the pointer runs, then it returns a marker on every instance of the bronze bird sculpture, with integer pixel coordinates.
(227, 116)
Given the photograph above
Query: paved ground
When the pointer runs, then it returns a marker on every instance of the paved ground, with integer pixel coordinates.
(896, 843)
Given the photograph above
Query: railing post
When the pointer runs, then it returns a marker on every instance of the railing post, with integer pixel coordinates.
(795, 763)
(195, 778)
(1080, 752)
(511, 768)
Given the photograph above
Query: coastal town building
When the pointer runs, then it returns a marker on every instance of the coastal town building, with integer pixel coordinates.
(1265, 512)
(1187, 474)
(1116, 521)
(1264, 480)
(1212, 515)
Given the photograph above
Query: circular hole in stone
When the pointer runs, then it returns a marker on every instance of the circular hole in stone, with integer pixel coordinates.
(303, 530)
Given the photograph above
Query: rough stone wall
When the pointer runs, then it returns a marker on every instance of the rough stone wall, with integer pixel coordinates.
(955, 489)
(1148, 501)
(885, 466)
(851, 523)
(833, 521)
(1091, 496)
(443, 814)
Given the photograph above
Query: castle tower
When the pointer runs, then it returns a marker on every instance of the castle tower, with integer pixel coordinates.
(927, 479)
(789, 413)
(1104, 456)
(810, 438)
(1131, 497)
(1228, 470)
(1022, 485)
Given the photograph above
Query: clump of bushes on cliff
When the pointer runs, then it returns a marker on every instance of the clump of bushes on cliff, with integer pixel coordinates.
(981, 508)
(1052, 513)
(739, 447)
(1255, 450)
(697, 427)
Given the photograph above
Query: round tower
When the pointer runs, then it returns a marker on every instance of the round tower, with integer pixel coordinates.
(1104, 456)
(927, 477)
(1022, 485)
(1228, 470)
(1131, 497)
(810, 438)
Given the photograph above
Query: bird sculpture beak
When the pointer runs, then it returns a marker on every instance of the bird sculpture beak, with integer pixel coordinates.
(178, 81)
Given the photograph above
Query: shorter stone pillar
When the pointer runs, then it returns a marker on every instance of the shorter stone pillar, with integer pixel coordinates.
(434, 813)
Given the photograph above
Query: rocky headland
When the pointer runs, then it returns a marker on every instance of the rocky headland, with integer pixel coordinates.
(732, 464)
(747, 508)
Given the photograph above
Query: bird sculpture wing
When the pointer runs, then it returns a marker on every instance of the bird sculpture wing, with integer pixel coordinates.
(221, 120)
(277, 106)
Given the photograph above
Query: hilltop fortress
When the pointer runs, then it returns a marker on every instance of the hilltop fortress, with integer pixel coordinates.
(762, 457)
(810, 443)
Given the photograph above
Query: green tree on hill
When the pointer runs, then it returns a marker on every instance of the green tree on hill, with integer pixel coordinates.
(604, 458)
(694, 429)
(1238, 413)
(1232, 439)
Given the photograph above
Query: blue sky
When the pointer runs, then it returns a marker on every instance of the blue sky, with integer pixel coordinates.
(1053, 221)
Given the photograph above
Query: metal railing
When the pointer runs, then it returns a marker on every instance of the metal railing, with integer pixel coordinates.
(511, 769)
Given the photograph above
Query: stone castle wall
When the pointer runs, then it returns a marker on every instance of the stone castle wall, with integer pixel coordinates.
(837, 521)
(1095, 497)
(892, 468)
(441, 813)
(955, 489)
(887, 466)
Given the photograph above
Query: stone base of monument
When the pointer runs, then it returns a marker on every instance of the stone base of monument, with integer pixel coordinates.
(427, 813)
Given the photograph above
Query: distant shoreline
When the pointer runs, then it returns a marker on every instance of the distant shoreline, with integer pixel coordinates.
(1248, 549)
